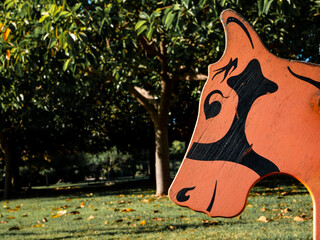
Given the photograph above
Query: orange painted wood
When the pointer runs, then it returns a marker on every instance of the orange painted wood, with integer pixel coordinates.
(258, 115)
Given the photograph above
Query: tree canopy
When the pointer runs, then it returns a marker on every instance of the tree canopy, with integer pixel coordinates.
(70, 70)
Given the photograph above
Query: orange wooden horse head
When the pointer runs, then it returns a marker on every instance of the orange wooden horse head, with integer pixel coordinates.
(258, 115)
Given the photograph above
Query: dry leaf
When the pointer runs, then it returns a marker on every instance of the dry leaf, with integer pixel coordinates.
(263, 209)
(127, 210)
(14, 228)
(143, 222)
(3, 221)
(90, 217)
(6, 34)
(68, 199)
(82, 205)
(44, 220)
(62, 212)
(263, 219)
(106, 222)
(172, 227)
(38, 225)
(11, 217)
(13, 210)
(286, 210)
(158, 219)
(298, 219)
(208, 223)
(74, 213)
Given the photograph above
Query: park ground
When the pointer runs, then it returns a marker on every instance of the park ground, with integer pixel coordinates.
(277, 208)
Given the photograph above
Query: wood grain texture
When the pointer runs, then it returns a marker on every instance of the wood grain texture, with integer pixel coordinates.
(258, 115)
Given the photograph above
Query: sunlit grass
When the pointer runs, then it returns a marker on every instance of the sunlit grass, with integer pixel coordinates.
(285, 212)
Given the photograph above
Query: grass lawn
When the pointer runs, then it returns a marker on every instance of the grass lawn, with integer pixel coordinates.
(273, 212)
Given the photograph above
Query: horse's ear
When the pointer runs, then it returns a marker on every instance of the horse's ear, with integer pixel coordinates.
(240, 36)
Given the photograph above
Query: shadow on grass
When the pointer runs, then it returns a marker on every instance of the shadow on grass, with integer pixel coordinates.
(99, 189)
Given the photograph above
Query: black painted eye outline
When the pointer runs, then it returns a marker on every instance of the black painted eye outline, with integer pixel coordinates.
(212, 109)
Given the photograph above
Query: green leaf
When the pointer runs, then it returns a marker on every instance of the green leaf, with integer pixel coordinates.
(43, 18)
(169, 19)
(267, 6)
(149, 34)
(18, 69)
(66, 64)
(144, 15)
(139, 24)
(202, 3)
(83, 37)
(142, 29)
(76, 7)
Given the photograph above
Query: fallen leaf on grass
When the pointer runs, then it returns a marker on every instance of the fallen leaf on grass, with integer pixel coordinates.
(74, 213)
(106, 222)
(3, 221)
(14, 228)
(158, 219)
(286, 210)
(263, 209)
(298, 219)
(82, 205)
(143, 222)
(90, 217)
(11, 217)
(208, 223)
(127, 210)
(38, 225)
(59, 214)
(13, 210)
(119, 220)
(172, 227)
(263, 219)
(25, 215)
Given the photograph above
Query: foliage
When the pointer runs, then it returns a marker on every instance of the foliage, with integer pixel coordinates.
(64, 64)
(139, 214)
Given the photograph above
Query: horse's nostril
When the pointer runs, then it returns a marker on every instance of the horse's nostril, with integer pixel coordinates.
(181, 196)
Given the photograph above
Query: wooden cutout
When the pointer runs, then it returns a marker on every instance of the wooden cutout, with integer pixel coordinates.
(259, 115)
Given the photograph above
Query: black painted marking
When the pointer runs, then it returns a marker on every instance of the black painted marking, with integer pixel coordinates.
(212, 199)
(306, 79)
(234, 146)
(232, 64)
(212, 109)
(181, 196)
(237, 21)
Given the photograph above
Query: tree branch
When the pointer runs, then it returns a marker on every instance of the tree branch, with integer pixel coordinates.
(145, 99)
(192, 77)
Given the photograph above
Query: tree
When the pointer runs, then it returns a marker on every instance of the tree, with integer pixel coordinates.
(147, 48)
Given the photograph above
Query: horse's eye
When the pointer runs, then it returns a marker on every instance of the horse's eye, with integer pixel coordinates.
(212, 109)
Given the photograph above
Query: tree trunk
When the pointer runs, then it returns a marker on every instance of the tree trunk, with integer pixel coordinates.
(11, 166)
(163, 179)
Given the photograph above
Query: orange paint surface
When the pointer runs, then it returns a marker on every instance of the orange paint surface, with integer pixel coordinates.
(258, 115)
